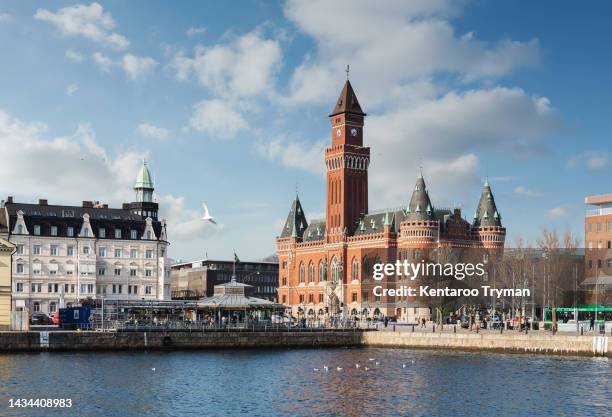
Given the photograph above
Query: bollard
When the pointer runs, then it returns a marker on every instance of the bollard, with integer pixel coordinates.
(394, 327)
(581, 330)
(455, 328)
(501, 330)
(433, 329)
(413, 329)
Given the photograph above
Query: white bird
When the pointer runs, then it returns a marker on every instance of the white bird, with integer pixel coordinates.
(371, 359)
(153, 369)
(338, 368)
(325, 368)
(207, 217)
(403, 365)
(357, 365)
(316, 369)
(377, 363)
(366, 368)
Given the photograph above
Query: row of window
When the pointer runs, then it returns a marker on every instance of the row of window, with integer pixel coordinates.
(118, 233)
(54, 250)
(85, 270)
(54, 288)
(600, 263)
(600, 244)
(599, 226)
(311, 298)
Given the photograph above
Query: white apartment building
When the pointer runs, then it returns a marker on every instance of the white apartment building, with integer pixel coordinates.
(65, 254)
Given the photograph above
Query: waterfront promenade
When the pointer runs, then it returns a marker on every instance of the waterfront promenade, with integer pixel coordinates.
(494, 341)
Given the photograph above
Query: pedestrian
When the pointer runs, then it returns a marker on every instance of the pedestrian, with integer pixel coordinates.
(386, 321)
(592, 323)
(423, 321)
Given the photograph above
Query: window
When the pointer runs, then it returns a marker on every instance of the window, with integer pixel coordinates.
(609, 244)
(52, 307)
(102, 233)
(83, 288)
(284, 299)
(19, 287)
(302, 272)
(53, 230)
(36, 268)
(149, 254)
(609, 227)
(322, 271)
(102, 252)
(133, 272)
(133, 253)
(53, 250)
(135, 289)
(85, 232)
(85, 250)
(599, 263)
(90, 288)
(335, 270)
(148, 290)
(149, 236)
(37, 230)
(37, 249)
(20, 268)
(19, 249)
(354, 297)
(364, 297)
(53, 268)
(52, 288)
(284, 264)
(133, 234)
(70, 231)
(70, 251)
(355, 270)
(284, 282)
(599, 227)
(117, 233)
(590, 264)
(36, 307)
(609, 261)
(599, 244)
(114, 288)
(117, 253)
(148, 272)
(590, 227)
(310, 298)
(36, 288)
(117, 271)
(320, 298)
(101, 271)
(301, 298)
(311, 272)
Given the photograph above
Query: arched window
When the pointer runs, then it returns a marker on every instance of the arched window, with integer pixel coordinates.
(355, 270)
(311, 272)
(335, 270)
(302, 272)
(365, 268)
(322, 271)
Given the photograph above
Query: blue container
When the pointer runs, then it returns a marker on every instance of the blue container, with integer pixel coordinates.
(74, 317)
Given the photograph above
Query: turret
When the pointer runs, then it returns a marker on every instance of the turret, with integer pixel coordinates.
(296, 221)
(143, 204)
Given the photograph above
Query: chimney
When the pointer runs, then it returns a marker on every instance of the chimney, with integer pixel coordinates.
(104, 205)
(87, 204)
(9, 199)
(42, 202)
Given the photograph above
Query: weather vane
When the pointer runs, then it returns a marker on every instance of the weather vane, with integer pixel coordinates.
(348, 68)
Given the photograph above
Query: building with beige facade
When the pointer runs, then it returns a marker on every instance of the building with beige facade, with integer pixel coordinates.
(6, 251)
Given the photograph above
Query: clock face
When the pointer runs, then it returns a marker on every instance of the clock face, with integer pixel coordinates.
(338, 132)
(354, 132)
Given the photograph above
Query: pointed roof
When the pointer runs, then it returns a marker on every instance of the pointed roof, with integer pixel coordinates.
(486, 212)
(420, 207)
(347, 102)
(144, 179)
(296, 221)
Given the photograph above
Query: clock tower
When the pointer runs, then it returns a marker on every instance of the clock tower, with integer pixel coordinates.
(347, 162)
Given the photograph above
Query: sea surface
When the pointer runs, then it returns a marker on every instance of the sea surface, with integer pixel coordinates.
(285, 383)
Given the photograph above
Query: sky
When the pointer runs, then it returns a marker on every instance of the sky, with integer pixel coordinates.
(229, 106)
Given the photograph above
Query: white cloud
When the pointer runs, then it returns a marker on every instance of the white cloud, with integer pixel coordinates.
(523, 191)
(71, 89)
(390, 44)
(184, 224)
(243, 67)
(88, 171)
(196, 31)
(591, 160)
(557, 212)
(303, 155)
(5, 17)
(74, 56)
(151, 131)
(217, 118)
(88, 21)
(135, 67)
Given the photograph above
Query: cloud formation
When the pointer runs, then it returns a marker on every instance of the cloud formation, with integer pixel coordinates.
(87, 21)
(217, 118)
(151, 131)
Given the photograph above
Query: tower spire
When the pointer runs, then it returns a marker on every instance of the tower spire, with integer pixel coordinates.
(347, 70)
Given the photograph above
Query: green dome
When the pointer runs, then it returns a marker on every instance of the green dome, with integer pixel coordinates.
(144, 180)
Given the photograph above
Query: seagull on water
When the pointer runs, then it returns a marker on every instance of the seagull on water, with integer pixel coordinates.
(325, 368)
(207, 217)
(338, 368)
(316, 369)
(153, 369)
(371, 359)
(403, 365)
(357, 365)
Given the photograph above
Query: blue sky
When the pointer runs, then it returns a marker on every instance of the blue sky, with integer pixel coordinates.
(229, 105)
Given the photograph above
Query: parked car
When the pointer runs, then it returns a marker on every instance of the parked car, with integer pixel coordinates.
(40, 319)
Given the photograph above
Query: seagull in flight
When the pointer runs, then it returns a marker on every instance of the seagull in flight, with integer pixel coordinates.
(207, 217)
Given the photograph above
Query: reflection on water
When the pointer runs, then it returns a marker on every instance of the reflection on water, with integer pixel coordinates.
(283, 382)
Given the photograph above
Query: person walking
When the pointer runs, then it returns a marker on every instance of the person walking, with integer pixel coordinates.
(592, 323)
(423, 321)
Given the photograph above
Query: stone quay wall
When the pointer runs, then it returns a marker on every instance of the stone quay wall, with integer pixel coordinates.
(508, 342)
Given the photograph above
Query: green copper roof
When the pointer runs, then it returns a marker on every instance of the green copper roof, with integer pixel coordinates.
(144, 180)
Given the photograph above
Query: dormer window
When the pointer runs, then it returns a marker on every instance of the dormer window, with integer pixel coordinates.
(53, 230)
(37, 230)
(70, 231)
(133, 234)
(102, 233)
(19, 229)
(117, 233)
